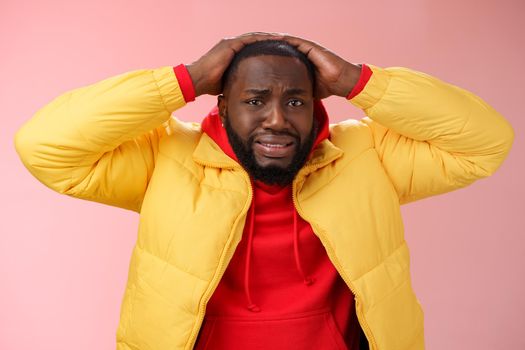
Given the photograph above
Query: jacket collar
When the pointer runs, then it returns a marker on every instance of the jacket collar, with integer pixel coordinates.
(208, 153)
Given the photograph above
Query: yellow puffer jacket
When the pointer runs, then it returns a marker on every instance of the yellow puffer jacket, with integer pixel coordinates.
(114, 142)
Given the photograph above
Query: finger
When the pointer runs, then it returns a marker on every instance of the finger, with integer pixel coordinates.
(237, 43)
(295, 40)
(303, 45)
(262, 34)
(259, 36)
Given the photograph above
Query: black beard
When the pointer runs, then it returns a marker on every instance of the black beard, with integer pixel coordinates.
(271, 175)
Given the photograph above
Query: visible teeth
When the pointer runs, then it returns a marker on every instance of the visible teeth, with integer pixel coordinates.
(273, 145)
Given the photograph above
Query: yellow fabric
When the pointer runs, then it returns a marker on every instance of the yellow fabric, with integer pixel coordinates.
(114, 142)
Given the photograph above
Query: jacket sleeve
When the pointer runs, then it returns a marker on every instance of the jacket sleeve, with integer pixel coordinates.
(100, 142)
(431, 137)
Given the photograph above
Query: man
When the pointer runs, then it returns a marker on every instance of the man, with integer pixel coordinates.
(260, 226)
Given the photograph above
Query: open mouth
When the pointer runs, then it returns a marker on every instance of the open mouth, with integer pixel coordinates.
(275, 145)
(274, 149)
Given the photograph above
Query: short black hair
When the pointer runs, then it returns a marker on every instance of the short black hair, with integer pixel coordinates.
(267, 48)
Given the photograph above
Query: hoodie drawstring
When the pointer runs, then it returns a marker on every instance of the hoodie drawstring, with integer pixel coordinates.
(251, 305)
(307, 280)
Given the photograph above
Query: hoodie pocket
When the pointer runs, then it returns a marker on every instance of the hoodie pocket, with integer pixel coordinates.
(305, 331)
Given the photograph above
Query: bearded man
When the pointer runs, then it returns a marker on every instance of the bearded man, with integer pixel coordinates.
(265, 227)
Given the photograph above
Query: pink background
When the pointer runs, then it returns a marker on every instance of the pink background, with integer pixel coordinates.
(63, 262)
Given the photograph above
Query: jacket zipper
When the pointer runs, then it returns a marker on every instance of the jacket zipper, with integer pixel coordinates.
(337, 265)
(222, 268)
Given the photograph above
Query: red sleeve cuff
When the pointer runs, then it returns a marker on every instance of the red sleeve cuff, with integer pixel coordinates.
(185, 83)
(366, 73)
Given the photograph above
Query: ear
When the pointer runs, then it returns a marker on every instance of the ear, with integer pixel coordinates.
(222, 106)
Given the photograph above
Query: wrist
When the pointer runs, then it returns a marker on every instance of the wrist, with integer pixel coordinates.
(366, 73)
(185, 82)
(349, 79)
(196, 79)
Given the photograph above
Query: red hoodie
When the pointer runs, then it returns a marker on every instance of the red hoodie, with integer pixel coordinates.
(280, 290)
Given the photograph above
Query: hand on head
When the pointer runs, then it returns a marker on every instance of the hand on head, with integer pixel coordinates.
(207, 71)
(334, 75)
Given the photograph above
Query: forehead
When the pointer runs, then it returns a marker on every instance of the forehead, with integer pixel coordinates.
(271, 71)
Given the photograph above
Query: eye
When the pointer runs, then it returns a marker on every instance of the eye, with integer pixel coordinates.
(295, 103)
(254, 102)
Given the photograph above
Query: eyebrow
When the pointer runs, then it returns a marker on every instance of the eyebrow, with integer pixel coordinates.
(295, 91)
(258, 91)
(292, 91)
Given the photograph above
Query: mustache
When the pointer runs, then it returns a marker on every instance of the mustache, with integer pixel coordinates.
(271, 174)
(252, 138)
(275, 133)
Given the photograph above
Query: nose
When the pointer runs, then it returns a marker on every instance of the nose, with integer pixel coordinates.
(276, 118)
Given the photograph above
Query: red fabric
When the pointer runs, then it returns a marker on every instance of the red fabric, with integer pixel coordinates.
(280, 290)
(185, 82)
(366, 73)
